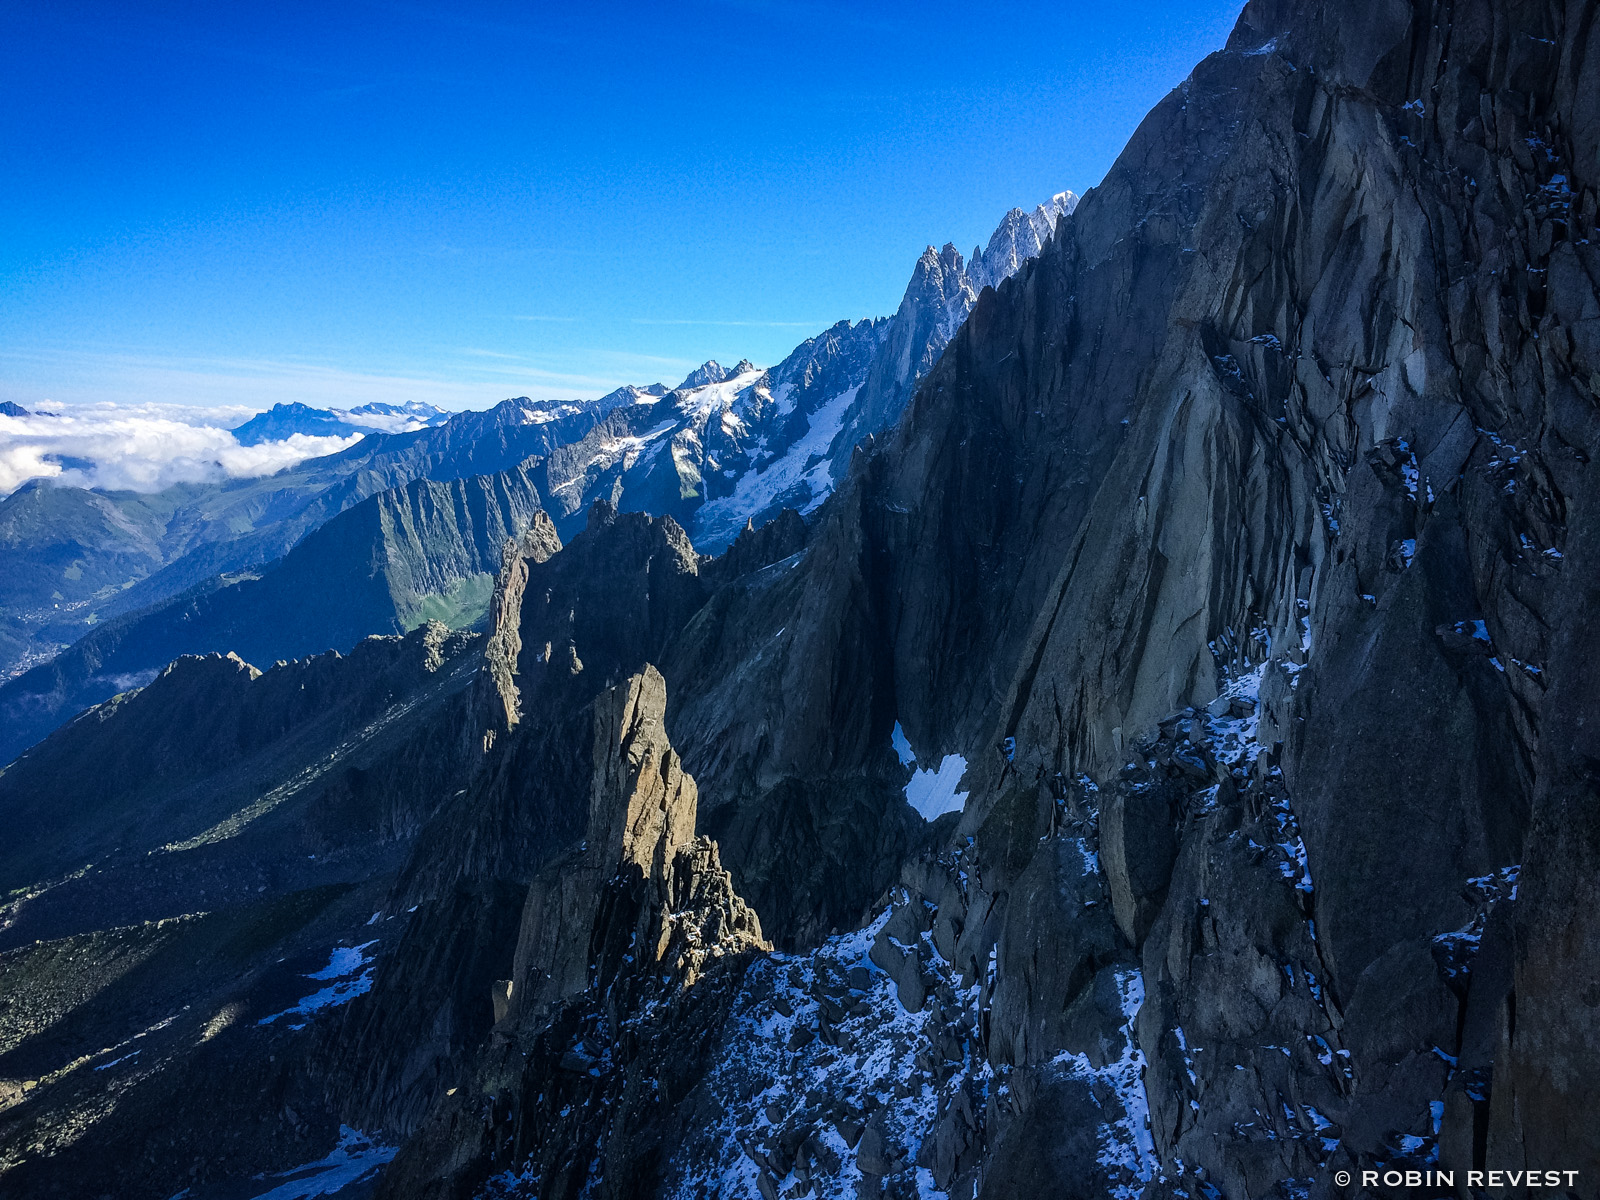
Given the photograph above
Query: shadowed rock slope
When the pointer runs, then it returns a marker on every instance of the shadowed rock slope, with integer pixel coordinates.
(193, 879)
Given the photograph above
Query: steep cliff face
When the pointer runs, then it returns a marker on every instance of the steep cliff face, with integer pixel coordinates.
(784, 695)
(592, 617)
(1314, 509)
(1238, 543)
(1297, 413)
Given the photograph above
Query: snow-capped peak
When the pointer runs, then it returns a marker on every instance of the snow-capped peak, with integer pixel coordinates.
(708, 372)
(699, 401)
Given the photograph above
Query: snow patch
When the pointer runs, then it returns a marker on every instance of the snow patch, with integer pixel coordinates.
(1234, 739)
(902, 747)
(698, 404)
(933, 793)
(356, 1159)
(343, 965)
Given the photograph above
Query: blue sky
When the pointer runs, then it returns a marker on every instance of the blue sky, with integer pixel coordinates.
(251, 202)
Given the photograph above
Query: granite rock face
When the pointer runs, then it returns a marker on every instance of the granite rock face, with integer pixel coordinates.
(1300, 437)
(640, 839)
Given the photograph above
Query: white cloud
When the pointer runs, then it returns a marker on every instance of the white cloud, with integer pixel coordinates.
(142, 448)
(384, 422)
(222, 416)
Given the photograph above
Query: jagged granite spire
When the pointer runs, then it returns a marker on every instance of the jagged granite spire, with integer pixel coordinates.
(628, 953)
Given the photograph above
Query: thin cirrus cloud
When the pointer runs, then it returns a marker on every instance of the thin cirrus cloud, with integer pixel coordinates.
(476, 378)
(686, 321)
(731, 324)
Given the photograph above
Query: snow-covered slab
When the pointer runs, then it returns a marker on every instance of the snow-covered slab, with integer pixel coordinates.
(800, 477)
(699, 403)
(1127, 1149)
(870, 1065)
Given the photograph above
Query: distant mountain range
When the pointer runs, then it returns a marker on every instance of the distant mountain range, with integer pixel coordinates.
(283, 421)
(129, 580)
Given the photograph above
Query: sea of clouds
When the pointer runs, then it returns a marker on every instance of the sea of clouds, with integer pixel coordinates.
(148, 447)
